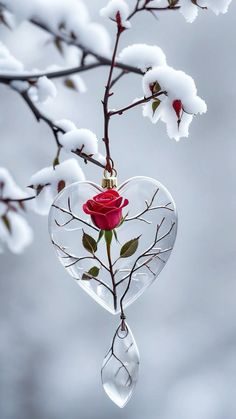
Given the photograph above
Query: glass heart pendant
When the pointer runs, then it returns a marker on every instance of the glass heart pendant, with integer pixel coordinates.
(114, 242)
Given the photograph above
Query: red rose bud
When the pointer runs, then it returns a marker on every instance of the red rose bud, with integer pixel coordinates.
(177, 105)
(119, 22)
(105, 209)
(151, 87)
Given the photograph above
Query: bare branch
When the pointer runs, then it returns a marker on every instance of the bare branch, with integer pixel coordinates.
(55, 129)
(107, 94)
(74, 217)
(137, 103)
(6, 78)
(150, 207)
(78, 259)
(145, 8)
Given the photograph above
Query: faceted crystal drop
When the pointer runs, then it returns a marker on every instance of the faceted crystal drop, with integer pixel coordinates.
(120, 366)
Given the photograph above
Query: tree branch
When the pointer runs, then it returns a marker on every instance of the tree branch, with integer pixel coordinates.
(138, 102)
(7, 78)
(69, 40)
(144, 8)
(107, 94)
(55, 129)
(74, 217)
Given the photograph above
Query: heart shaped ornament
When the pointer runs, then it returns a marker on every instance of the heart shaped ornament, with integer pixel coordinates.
(114, 242)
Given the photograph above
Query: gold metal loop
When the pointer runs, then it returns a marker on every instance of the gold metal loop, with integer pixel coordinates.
(107, 174)
(109, 180)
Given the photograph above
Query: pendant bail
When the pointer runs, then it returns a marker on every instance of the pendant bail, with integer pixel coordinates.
(109, 180)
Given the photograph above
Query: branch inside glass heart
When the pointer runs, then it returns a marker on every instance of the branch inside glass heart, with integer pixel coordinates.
(103, 239)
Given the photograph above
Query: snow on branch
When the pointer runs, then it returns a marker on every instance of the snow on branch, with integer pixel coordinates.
(190, 8)
(42, 90)
(118, 11)
(142, 56)
(8, 63)
(179, 103)
(15, 232)
(49, 181)
(81, 139)
(168, 95)
(70, 17)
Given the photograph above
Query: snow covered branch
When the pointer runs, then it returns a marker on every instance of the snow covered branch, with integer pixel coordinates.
(167, 94)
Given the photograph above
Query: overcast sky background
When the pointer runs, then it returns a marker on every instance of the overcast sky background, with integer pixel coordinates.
(53, 337)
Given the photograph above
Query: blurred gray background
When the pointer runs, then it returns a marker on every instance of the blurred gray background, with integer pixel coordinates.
(53, 337)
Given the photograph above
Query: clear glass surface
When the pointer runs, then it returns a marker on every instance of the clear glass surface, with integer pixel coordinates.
(150, 220)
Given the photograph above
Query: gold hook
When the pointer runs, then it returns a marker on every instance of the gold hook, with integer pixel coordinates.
(109, 180)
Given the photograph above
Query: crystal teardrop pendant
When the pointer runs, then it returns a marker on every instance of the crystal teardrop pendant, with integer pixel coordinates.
(120, 366)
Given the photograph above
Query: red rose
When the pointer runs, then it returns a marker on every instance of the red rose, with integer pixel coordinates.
(106, 209)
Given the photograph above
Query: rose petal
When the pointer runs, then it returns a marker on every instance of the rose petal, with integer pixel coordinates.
(107, 195)
(105, 209)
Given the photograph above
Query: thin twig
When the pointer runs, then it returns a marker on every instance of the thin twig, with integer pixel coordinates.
(74, 217)
(111, 353)
(137, 103)
(7, 78)
(144, 8)
(117, 78)
(17, 200)
(78, 259)
(146, 253)
(107, 94)
(55, 129)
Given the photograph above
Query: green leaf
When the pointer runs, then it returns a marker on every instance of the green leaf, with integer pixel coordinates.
(7, 223)
(156, 87)
(55, 162)
(70, 84)
(92, 273)
(108, 236)
(89, 243)
(129, 248)
(155, 105)
(100, 236)
(58, 44)
(174, 2)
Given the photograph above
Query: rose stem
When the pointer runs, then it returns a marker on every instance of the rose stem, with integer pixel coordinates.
(108, 246)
